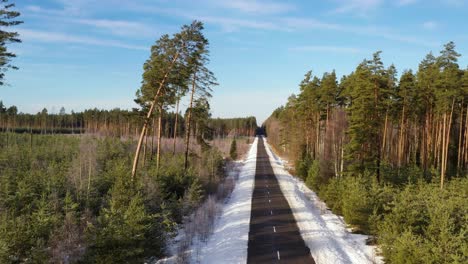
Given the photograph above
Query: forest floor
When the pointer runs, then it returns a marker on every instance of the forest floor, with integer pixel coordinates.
(325, 234)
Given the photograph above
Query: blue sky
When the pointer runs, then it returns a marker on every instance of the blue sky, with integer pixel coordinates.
(84, 53)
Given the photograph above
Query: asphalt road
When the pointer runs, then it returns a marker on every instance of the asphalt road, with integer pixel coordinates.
(274, 236)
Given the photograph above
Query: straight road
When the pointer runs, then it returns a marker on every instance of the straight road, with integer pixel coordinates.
(273, 236)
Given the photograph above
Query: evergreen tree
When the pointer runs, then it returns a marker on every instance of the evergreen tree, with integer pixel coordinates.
(202, 79)
(448, 89)
(164, 73)
(369, 91)
(124, 228)
(233, 149)
(8, 18)
(407, 102)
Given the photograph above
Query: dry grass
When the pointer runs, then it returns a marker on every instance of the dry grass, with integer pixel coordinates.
(224, 145)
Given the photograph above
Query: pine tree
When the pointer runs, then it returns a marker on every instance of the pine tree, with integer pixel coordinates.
(448, 87)
(427, 76)
(124, 227)
(233, 149)
(164, 73)
(202, 79)
(8, 18)
(407, 101)
(362, 129)
(329, 93)
(368, 91)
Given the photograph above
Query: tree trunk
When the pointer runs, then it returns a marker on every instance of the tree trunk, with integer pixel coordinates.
(437, 144)
(317, 137)
(189, 119)
(384, 135)
(401, 139)
(175, 127)
(158, 154)
(465, 138)
(445, 140)
(342, 157)
(153, 126)
(144, 148)
(460, 140)
(89, 179)
(148, 116)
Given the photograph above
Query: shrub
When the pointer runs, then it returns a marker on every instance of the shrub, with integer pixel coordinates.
(125, 232)
(233, 150)
(433, 223)
(332, 194)
(357, 202)
(302, 166)
(314, 179)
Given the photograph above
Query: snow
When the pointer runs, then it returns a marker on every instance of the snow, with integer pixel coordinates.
(228, 243)
(324, 232)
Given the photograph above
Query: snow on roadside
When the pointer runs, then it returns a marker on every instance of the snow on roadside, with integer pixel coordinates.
(324, 232)
(229, 241)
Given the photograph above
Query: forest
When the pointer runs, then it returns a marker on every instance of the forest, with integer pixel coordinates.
(387, 151)
(113, 186)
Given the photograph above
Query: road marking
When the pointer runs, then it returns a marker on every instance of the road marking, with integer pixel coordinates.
(274, 229)
(277, 252)
(269, 200)
(268, 192)
(271, 212)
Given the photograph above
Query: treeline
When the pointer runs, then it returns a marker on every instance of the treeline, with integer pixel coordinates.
(115, 123)
(244, 126)
(378, 148)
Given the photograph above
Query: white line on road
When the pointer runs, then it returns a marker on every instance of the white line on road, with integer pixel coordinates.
(271, 212)
(277, 252)
(274, 229)
(269, 200)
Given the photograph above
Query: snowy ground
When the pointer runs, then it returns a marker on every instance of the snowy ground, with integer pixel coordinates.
(324, 232)
(228, 244)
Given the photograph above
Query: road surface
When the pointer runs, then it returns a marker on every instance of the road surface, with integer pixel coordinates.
(273, 236)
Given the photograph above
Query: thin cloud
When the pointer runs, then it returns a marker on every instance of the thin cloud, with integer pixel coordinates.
(56, 37)
(295, 24)
(430, 25)
(332, 49)
(76, 7)
(361, 7)
(255, 6)
(290, 24)
(406, 2)
(232, 24)
(286, 24)
(39, 10)
(309, 23)
(118, 27)
(114, 27)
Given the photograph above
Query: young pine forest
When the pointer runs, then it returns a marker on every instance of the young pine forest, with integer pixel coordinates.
(388, 153)
(113, 186)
